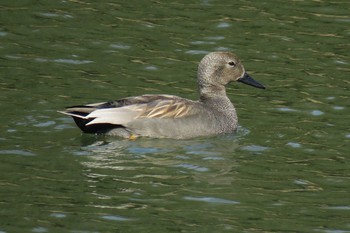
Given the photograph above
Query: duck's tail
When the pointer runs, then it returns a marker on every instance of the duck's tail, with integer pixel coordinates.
(79, 114)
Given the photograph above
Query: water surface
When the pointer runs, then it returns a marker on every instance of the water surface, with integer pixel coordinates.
(286, 170)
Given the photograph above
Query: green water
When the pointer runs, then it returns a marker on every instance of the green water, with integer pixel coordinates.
(286, 170)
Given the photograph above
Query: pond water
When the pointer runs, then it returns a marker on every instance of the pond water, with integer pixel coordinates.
(286, 169)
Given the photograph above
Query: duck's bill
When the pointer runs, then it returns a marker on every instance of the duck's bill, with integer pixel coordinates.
(246, 79)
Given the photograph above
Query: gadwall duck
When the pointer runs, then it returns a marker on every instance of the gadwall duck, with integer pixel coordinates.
(168, 116)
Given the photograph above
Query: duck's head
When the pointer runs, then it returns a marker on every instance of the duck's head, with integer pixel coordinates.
(217, 69)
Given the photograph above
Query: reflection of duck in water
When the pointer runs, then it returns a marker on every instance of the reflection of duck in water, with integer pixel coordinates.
(164, 160)
(172, 116)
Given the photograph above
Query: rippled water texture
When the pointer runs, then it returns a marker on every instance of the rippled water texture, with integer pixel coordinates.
(286, 170)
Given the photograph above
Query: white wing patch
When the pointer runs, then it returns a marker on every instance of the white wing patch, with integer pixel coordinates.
(116, 116)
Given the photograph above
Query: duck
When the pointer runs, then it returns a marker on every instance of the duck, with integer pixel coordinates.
(170, 116)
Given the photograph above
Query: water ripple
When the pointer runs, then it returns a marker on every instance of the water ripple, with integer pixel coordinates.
(45, 124)
(285, 109)
(255, 148)
(54, 15)
(115, 218)
(215, 37)
(338, 207)
(120, 46)
(223, 25)
(199, 42)
(197, 52)
(294, 144)
(193, 167)
(72, 61)
(64, 61)
(58, 215)
(333, 231)
(211, 200)
(316, 113)
(151, 68)
(338, 108)
(39, 229)
(17, 152)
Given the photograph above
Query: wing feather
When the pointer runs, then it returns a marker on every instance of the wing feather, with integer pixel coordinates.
(124, 111)
(168, 109)
(116, 116)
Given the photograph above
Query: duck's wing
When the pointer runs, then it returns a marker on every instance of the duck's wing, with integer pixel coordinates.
(167, 108)
(154, 108)
(82, 111)
(121, 112)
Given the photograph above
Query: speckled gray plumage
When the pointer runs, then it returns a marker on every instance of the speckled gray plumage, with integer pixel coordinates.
(172, 116)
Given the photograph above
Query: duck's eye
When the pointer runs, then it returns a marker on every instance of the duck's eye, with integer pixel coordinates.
(231, 63)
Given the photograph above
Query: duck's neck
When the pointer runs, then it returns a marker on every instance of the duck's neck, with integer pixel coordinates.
(212, 90)
(215, 96)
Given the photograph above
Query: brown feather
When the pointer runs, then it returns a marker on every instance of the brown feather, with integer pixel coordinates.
(167, 109)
